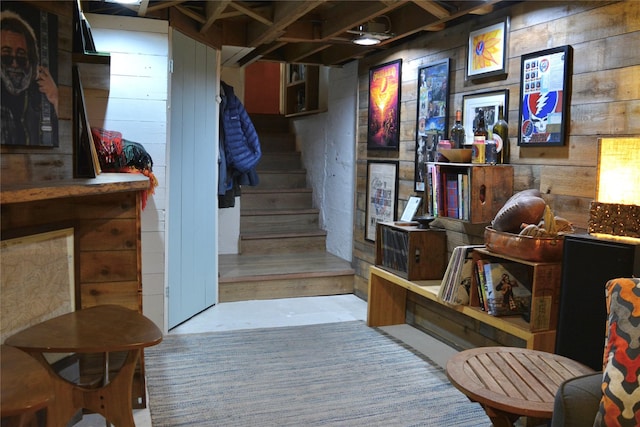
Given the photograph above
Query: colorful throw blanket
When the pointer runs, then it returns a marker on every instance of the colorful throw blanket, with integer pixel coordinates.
(117, 154)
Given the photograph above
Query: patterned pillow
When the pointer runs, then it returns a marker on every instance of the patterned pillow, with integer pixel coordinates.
(620, 404)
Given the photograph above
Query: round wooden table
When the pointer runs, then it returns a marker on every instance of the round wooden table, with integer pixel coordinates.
(511, 382)
(26, 387)
(99, 329)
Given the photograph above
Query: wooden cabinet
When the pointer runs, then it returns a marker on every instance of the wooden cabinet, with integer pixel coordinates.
(302, 90)
(468, 192)
(411, 252)
(105, 213)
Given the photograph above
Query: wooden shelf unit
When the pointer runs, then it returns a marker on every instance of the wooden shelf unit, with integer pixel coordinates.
(387, 302)
(302, 91)
(545, 289)
(95, 70)
(411, 252)
(489, 187)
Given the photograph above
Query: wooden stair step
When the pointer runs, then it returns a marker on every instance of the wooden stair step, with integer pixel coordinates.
(261, 212)
(274, 221)
(304, 285)
(244, 277)
(281, 179)
(278, 243)
(280, 160)
(277, 142)
(275, 199)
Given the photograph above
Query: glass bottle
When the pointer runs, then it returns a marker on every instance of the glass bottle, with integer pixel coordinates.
(481, 128)
(501, 136)
(457, 135)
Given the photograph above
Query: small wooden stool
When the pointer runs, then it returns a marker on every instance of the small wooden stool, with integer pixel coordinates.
(101, 329)
(511, 382)
(26, 387)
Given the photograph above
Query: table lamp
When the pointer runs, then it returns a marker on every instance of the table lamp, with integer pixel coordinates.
(616, 209)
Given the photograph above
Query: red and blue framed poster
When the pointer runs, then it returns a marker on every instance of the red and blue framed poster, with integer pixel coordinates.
(545, 83)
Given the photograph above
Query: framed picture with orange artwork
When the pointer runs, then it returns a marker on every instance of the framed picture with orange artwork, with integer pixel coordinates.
(383, 125)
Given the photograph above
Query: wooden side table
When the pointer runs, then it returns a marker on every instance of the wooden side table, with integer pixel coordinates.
(100, 329)
(511, 382)
(26, 387)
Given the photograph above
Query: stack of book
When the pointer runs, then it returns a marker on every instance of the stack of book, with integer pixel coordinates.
(447, 193)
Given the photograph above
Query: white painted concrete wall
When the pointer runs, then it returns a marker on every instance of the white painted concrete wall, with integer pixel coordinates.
(136, 106)
(328, 142)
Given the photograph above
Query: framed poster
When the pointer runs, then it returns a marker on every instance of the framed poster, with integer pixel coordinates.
(488, 102)
(383, 126)
(382, 195)
(29, 76)
(432, 119)
(487, 51)
(544, 96)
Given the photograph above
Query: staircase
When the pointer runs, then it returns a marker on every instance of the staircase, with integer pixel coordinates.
(282, 248)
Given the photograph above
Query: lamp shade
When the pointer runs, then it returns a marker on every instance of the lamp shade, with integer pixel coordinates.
(619, 171)
(616, 209)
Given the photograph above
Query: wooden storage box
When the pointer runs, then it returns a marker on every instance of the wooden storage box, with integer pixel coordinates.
(411, 252)
(544, 286)
(468, 192)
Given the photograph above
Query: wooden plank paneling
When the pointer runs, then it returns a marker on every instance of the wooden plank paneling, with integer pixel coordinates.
(107, 266)
(604, 98)
(120, 293)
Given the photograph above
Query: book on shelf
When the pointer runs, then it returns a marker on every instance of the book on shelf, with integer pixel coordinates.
(507, 288)
(432, 189)
(452, 195)
(482, 284)
(456, 282)
(447, 192)
(464, 196)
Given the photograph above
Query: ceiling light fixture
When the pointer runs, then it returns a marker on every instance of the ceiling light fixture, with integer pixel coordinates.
(372, 33)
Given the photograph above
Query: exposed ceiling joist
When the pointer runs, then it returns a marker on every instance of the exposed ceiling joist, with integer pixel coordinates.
(309, 31)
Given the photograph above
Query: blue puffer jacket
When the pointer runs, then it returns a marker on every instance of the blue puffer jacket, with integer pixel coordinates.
(241, 143)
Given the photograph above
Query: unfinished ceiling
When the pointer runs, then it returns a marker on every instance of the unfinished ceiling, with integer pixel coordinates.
(309, 31)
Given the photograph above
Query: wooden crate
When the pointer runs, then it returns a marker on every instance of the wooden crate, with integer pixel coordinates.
(411, 252)
(544, 284)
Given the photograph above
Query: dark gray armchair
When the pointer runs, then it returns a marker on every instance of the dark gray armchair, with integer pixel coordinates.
(577, 401)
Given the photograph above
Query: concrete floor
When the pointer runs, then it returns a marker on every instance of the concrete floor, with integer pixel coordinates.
(289, 312)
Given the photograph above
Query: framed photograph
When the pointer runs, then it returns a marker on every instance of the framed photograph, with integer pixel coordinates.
(383, 126)
(488, 102)
(432, 121)
(545, 83)
(30, 90)
(487, 51)
(382, 195)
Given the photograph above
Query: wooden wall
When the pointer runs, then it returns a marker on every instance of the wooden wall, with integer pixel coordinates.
(604, 101)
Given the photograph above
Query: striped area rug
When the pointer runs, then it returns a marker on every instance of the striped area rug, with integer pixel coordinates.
(336, 374)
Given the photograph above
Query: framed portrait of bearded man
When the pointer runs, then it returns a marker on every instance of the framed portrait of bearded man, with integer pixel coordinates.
(29, 102)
